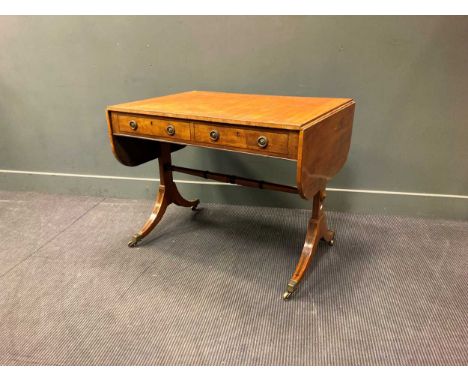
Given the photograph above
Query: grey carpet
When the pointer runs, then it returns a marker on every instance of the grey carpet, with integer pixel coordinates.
(204, 288)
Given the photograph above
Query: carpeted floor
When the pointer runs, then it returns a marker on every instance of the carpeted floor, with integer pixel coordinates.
(205, 287)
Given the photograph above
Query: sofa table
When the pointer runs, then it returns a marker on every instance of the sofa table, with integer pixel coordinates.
(313, 132)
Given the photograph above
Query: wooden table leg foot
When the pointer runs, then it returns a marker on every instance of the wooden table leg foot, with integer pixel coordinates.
(195, 207)
(159, 209)
(329, 237)
(168, 193)
(134, 241)
(179, 200)
(292, 287)
(316, 230)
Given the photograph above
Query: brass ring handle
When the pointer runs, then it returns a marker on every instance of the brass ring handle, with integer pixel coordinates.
(133, 125)
(214, 135)
(262, 141)
(170, 130)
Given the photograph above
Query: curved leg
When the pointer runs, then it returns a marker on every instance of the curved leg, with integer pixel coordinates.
(156, 215)
(317, 229)
(167, 194)
(179, 200)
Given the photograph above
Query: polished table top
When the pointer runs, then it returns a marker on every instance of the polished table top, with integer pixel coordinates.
(242, 109)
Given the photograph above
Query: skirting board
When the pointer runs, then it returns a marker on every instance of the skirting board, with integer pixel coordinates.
(361, 201)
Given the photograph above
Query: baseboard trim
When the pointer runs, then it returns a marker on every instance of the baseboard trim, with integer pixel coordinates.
(400, 193)
(360, 191)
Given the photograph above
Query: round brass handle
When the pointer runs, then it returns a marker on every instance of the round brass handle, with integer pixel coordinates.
(262, 141)
(133, 125)
(170, 130)
(214, 135)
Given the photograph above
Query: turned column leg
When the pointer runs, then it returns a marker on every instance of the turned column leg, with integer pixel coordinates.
(317, 229)
(167, 194)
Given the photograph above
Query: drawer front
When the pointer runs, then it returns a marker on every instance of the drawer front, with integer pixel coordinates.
(157, 127)
(245, 138)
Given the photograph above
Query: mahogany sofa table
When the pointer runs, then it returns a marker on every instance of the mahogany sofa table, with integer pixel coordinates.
(314, 132)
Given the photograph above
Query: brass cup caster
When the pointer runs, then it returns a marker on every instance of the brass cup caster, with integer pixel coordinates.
(134, 242)
(290, 290)
(330, 242)
(286, 295)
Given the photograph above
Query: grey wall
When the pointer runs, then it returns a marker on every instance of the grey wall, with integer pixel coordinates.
(408, 76)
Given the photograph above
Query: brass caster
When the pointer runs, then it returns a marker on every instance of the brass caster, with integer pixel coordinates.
(290, 290)
(134, 242)
(330, 242)
(286, 295)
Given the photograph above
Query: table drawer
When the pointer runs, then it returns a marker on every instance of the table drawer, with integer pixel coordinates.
(151, 126)
(237, 136)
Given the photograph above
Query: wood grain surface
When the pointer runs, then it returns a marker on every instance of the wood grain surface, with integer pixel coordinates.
(243, 109)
